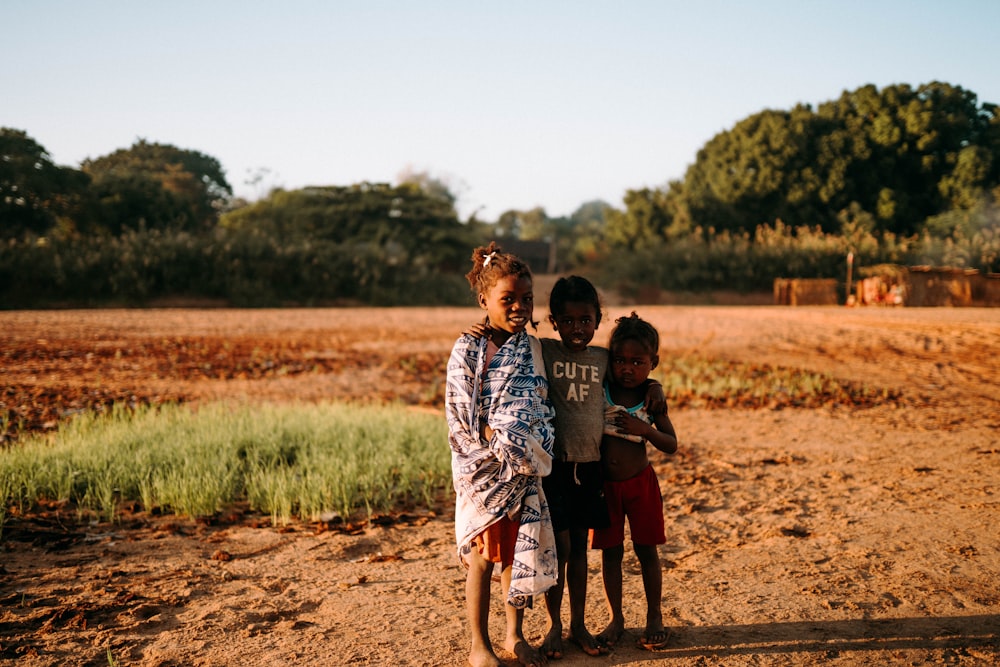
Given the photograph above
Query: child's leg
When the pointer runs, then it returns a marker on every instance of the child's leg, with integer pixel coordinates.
(611, 541)
(652, 583)
(477, 609)
(576, 578)
(552, 645)
(515, 642)
(611, 570)
(645, 517)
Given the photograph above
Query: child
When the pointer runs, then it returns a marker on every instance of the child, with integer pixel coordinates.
(500, 432)
(575, 488)
(631, 487)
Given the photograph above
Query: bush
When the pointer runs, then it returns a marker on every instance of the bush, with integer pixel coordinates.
(247, 268)
(704, 261)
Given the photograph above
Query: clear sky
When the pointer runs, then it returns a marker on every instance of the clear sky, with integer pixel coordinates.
(517, 104)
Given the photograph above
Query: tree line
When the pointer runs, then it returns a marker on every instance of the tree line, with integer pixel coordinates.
(898, 174)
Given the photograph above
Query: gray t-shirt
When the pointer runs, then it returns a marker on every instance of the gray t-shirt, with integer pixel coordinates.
(575, 389)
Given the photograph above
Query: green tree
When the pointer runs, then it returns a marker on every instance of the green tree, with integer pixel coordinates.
(910, 154)
(580, 239)
(440, 187)
(156, 186)
(393, 226)
(643, 223)
(904, 154)
(531, 225)
(36, 196)
(508, 225)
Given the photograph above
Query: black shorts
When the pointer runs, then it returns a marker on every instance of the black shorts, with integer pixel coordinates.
(575, 493)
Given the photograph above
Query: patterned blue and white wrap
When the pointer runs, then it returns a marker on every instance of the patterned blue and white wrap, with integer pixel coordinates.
(502, 476)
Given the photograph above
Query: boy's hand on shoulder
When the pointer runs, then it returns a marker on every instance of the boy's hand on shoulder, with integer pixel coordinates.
(479, 330)
(656, 400)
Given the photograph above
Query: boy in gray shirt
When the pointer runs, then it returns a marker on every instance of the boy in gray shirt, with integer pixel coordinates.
(575, 487)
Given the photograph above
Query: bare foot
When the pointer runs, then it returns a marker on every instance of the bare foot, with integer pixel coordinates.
(655, 636)
(586, 641)
(527, 655)
(552, 645)
(484, 657)
(611, 634)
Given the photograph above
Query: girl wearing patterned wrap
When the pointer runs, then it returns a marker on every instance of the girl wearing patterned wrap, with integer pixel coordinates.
(501, 437)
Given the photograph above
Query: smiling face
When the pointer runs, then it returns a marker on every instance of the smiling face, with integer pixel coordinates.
(576, 324)
(509, 304)
(631, 363)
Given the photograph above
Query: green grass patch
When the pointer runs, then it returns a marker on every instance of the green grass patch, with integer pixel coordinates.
(293, 462)
(312, 462)
(715, 383)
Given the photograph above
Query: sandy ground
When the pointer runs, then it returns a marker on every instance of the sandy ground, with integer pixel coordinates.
(833, 535)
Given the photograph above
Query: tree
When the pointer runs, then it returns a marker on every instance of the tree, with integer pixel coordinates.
(580, 239)
(904, 159)
(531, 225)
(591, 214)
(643, 223)
(509, 225)
(442, 188)
(156, 186)
(761, 170)
(966, 185)
(902, 154)
(36, 196)
(403, 225)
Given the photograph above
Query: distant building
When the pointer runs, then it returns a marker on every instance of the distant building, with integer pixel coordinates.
(928, 286)
(805, 292)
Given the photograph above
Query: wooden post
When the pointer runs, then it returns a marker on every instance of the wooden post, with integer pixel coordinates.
(850, 270)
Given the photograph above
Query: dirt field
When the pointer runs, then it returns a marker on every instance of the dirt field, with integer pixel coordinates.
(833, 535)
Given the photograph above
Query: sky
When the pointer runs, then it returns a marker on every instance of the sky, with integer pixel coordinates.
(514, 105)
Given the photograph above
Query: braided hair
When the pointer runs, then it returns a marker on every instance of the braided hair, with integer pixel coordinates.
(490, 264)
(636, 329)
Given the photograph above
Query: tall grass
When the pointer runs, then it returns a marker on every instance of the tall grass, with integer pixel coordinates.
(289, 461)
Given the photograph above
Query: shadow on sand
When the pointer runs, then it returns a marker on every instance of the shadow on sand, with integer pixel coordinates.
(830, 637)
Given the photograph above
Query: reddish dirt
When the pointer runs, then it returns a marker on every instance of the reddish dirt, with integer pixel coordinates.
(846, 532)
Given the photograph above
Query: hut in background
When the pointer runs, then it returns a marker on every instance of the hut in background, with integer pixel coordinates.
(881, 285)
(926, 286)
(985, 289)
(805, 292)
(895, 285)
(931, 286)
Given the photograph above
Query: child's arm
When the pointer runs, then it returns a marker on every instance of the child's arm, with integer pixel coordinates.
(479, 329)
(660, 434)
(656, 400)
(664, 434)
